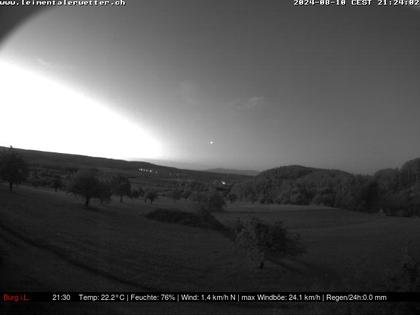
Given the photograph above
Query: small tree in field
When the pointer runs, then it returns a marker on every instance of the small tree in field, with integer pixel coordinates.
(121, 186)
(137, 193)
(151, 195)
(257, 239)
(176, 194)
(13, 168)
(57, 183)
(86, 184)
(104, 192)
(134, 194)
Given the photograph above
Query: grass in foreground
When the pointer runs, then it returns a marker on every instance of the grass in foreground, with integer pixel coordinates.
(51, 242)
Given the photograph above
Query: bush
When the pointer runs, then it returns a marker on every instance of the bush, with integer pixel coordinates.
(185, 218)
(257, 239)
(209, 203)
(407, 277)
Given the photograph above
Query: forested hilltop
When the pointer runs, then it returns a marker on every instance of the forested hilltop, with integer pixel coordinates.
(394, 191)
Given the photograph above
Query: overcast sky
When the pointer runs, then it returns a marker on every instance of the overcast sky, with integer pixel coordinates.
(236, 83)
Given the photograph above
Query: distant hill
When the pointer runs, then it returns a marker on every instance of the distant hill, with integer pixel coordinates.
(294, 184)
(233, 171)
(62, 161)
(294, 172)
(301, 185)
(395, 191)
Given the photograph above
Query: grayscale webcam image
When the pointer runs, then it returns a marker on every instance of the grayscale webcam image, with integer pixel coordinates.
(210, 157)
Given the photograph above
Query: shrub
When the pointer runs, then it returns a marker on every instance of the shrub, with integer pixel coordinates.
(407, 277)
(208, 203)
(186, 218)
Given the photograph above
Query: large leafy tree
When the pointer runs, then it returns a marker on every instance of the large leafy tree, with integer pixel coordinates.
(258, 239)
(86, 183)
(13, 168)
(121, 186)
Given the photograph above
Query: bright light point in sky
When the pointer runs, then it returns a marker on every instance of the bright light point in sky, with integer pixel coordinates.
(211, 142)
(42, 114)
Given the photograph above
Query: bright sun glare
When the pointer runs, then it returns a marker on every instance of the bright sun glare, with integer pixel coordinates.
(40, 113)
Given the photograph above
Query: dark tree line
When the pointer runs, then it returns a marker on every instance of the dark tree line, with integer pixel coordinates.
(88, 184)
(91, 184)
(395, 191)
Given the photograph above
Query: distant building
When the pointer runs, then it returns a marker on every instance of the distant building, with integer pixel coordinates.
(146, 170)
(220, 185)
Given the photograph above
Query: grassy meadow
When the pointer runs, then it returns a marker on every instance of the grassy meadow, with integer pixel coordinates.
(49, 241)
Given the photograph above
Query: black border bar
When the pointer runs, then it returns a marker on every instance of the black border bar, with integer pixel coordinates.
(208, 297)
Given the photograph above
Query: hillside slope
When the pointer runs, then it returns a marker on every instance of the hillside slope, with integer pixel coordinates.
(63, 161)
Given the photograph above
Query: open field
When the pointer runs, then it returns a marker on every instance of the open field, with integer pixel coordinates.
(115, 248)
(354, 245)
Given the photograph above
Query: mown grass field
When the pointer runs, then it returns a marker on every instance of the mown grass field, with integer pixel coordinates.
(49, 241)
